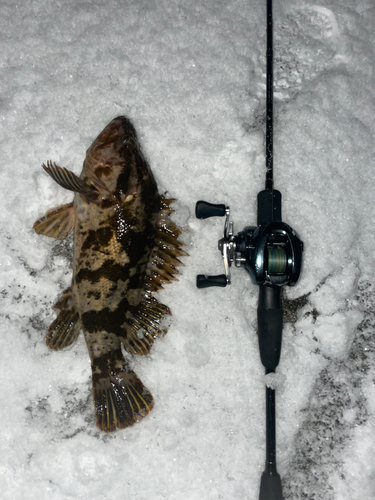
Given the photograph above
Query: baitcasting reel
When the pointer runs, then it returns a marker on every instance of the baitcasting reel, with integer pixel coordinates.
(271, 252)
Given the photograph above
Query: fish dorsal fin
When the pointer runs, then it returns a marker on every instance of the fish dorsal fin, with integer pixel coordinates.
(57, 222)
(68, 180)
(164, 258)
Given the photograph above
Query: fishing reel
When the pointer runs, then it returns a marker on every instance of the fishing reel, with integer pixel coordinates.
(270, 252)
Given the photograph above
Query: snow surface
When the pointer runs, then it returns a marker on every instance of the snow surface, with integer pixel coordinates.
(191, 76)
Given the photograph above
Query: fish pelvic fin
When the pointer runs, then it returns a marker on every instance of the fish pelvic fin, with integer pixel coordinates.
(120, 398)
(68, 180)
(64, 331)
(143, 324)
(65, 301)
(164, 259)
(56, 223)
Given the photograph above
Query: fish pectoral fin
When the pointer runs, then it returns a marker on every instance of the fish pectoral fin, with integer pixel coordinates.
(67, 179)
(120, 398)
(143, 325)
(56, 223)
(64, 331)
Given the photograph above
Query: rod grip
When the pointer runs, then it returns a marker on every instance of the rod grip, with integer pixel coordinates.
(270, 325)
(270, 487)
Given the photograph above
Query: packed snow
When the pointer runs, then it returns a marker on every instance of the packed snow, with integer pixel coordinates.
(191, 77)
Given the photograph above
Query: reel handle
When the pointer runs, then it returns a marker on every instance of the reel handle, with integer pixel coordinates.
(203, 210)
(270, 325)
(204, 281)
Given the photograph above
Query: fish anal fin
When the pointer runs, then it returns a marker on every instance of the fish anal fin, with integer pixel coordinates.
(64, 331)
(120, 398)
(56, 223)
(143, 325)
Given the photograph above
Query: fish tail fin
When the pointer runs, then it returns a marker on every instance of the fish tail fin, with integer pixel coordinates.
(120, 398)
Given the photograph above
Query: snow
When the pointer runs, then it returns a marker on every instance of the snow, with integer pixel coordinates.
(191, 76)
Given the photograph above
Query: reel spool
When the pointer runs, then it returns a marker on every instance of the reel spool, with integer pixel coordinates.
(271, 252)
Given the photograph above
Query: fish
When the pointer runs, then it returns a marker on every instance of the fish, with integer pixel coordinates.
(125, 248)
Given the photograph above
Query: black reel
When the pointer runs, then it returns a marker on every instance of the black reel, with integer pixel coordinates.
(271, 252)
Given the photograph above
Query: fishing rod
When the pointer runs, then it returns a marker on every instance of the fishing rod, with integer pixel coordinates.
(271, 253)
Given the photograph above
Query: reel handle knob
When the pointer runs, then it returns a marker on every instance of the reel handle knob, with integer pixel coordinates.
(204, 281)
(203, 210)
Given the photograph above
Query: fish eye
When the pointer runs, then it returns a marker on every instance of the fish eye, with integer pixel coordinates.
(124, 140)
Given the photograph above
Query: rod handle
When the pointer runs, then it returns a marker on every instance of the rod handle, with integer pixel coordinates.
(204, 281)
(270, 325)
(270, 487)
(203, 210)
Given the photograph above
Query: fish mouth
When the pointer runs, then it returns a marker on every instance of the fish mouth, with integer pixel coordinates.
(115, 131)
(116, 137)
(108, 156)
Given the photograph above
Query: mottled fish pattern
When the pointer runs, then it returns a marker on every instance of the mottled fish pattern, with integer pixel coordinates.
(125, 248)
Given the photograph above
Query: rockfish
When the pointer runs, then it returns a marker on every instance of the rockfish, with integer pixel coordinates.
(125, 248)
